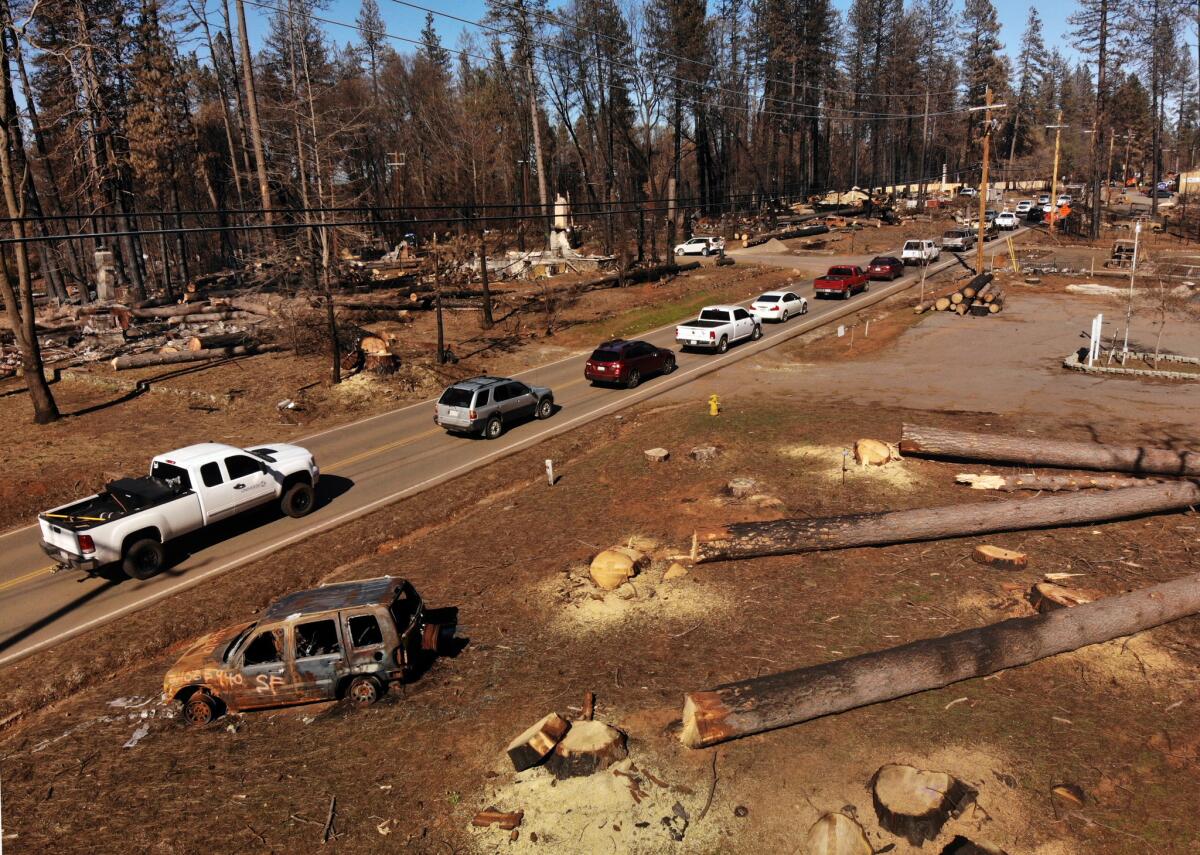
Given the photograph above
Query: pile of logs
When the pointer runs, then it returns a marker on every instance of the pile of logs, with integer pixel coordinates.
(980, 296)
(1066, 620)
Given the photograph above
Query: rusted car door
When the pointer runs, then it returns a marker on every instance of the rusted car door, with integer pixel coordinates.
(266, 674)
(371, 638)
(320, 658)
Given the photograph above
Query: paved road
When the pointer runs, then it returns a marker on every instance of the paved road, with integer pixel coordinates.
(365, 465)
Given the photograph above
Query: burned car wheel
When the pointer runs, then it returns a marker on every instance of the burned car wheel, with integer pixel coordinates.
(363, 691)
(199, 710)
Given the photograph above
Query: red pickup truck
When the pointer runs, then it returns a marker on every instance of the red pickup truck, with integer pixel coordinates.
(842, 280)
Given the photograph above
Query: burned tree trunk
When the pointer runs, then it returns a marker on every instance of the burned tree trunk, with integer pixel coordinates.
(789, 536)
(778, 700)
(1031, 451)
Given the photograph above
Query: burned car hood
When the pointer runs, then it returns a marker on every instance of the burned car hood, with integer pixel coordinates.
(208, 650)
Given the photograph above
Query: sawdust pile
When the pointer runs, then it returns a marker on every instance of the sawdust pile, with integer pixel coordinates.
(621, 809)
(826, 461)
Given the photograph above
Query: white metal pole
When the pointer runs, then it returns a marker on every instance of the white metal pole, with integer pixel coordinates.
(1137, 233)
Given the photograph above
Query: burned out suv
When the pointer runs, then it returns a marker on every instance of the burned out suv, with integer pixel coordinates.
(489, 405)
(346, 640)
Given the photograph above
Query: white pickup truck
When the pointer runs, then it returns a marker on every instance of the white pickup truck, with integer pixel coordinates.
(718, 327)
(920, 252)
(133, 519)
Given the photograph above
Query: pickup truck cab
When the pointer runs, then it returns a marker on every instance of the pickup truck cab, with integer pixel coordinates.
(842, 281)
(133, 519)
(1007, 221)
(718, 327)
(349, 639)
(920, 252)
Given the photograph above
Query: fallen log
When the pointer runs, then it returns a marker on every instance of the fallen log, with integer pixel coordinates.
(941, 304)
(142, 360)
(171, 311)
(791, 697)
(790, 536)
(1050, 483)
(214, 317)
(926, 441)
(207, 342)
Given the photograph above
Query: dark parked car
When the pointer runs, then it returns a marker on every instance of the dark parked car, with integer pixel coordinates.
(627, 362)
(1162, 193)
(885, 267)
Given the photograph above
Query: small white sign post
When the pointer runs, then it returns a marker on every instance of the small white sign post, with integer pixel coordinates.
(1094, 347)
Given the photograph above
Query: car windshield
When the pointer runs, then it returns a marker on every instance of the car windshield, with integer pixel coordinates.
(456, 397)
(912, 244)
(954, 235)
(768, 298)
(605, 356)
(714, 315)
(238, 639)
(880, 262)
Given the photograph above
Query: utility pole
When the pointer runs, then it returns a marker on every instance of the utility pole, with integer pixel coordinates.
(1112, 139)
(924, 148)
(1058, 126)
(987, 108)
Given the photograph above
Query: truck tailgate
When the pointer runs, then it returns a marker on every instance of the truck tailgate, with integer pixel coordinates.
(59, 537)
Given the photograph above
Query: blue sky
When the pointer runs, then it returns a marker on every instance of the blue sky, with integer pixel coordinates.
(407, 22)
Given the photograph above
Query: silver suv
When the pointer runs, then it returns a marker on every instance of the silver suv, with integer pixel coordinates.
(487, 405)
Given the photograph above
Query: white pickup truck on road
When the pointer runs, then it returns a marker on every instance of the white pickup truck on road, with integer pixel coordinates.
(133, 519)
(718, 327)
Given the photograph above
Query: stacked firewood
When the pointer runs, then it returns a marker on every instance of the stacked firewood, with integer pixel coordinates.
(980, 296)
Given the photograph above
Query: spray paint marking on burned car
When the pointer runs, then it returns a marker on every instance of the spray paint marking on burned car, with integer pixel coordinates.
(348, 640)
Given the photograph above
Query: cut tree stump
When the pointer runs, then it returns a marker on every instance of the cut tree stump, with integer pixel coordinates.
(995, 556)
(777, 700)
(1050, 483)
(613, 567)
(872, 452)
(837, 834)
(740, 488)
(1049, 597)
(381, 363)
(588, 747)
(704, 453)
(657, 455)
(532, 746)
(1032, 451)
(914, 803)
(790, 536)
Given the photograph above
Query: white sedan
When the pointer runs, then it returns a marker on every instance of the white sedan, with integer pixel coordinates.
(778, 306)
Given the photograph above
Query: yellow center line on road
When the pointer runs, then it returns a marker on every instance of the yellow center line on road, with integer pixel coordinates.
(12, 583)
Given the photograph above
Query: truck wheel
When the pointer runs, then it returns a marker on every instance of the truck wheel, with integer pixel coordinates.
(199, 710)
(544, 409)
(723, 345)
(362, 691)
(493, 428)
(757, 334)
(298, 500)
(144, 559)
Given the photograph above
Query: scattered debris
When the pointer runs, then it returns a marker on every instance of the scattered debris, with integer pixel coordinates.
(675, 571)
(915, 803)
(532, 746)
(1071, 793)
(503, 820)
(996, 556)
(837, 834)
(139, 734)
(1048, 597)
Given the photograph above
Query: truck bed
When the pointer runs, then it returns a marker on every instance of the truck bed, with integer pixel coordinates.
(703, 325)
(119, 499)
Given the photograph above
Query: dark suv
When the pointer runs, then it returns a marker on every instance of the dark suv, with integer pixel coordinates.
(487, 405)
(627, 362)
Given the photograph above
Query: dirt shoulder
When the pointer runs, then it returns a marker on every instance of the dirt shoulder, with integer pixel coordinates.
(509, 552)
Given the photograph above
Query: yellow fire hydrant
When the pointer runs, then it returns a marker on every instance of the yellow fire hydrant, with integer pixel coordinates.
(714, 406)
